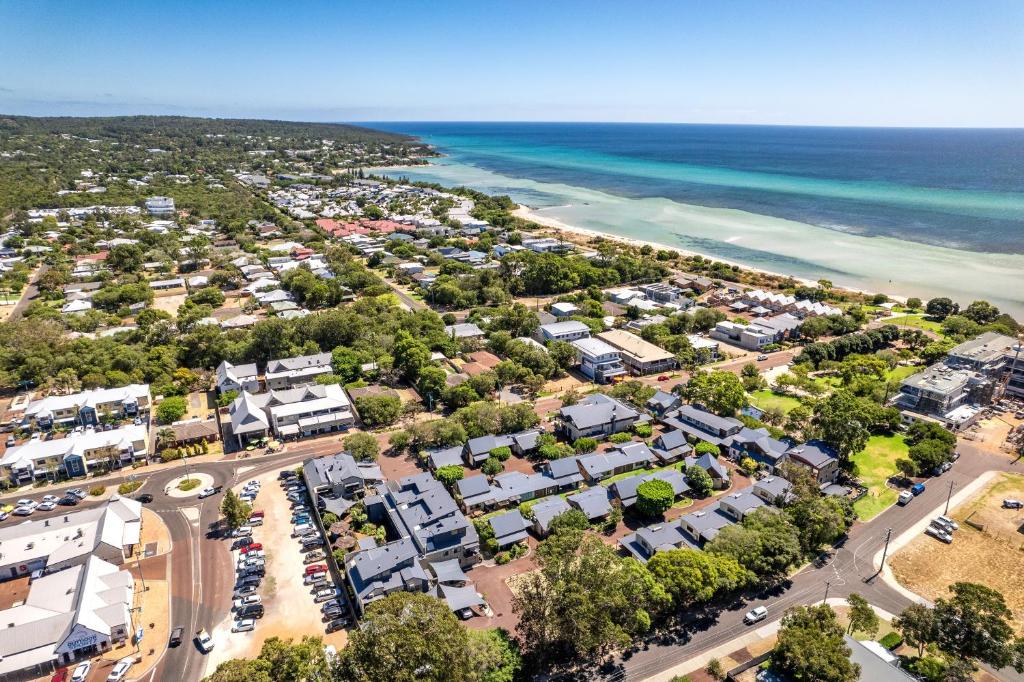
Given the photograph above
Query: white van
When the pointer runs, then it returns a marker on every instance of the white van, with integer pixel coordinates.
(301, 530)
(905, 497)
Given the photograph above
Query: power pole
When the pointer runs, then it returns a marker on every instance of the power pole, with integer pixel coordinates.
(828, 584)
(948, 496)
(885, 550)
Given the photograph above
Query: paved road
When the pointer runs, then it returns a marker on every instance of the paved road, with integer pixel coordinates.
(850, 566)
(406, 298)
(29, 294)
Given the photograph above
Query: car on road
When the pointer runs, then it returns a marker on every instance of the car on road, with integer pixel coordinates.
(1013, 504)
(762, 357)
(755, 615)
(46, 506)
(207, 492)
(81, 671)
(336, 625)
(246, 601)
(144, 498)
(204, 641)
(917, 489)
(244, 625)
(939, 534)
(176, 636)
(905, 497)
(120, 670)
(326, 594)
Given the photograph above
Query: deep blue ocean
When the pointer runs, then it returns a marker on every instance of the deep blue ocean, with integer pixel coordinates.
(957, 188)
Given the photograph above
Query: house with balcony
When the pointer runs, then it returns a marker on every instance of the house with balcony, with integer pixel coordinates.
(701, 424)
(568, 331)
(290, 413)
(818, 458)
(639, 356)
(598, 360)
(237, 378)
(89, 407)
(76, 454)
(298, 371)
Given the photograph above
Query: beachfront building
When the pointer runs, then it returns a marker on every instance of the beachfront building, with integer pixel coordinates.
(89, 407)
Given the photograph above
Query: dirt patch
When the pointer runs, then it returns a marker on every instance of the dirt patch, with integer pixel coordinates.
(290, 611)
(169, 303)
(991, 556)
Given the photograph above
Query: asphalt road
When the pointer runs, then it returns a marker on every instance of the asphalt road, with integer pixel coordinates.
(30, 293)
(851, 566)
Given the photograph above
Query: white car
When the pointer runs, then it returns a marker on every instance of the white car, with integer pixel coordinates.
(246, 601)
(25, 502)
(253, 484)
(47, 506)
(242, 531)
(949, 523)
(81, 672)
(244, 625)
(120, 669)
(3, 515)
(313, 577)
(50, 498)
(23, 511)
(755, 615)
(204, 641)
(939, 534)
(206, 492)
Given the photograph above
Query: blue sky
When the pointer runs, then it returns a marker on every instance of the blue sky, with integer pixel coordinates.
(869, 62)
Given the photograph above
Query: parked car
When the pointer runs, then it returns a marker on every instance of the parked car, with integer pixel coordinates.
(50, 498)
(4, 515)
(204, 641)
(755, 615)
(286, 474)
(251, 611)
(207, 492)
(1013, 504)
(245, 580)
(939, 534)
(319, 568)
(315, 541)
(23, 511)
(301, 529)
(917, 489)
(313, 577)
(176, 636)
(332, 612)
(244, 625)
(47, 506)
(68, 501)
(255, 521)
(246, 601)
(336, 625)
(242, 531)
(81, 671)
(334, 603)
(905, 497)
(762, 357)
(25, 502)
(120, 669)
(252, 547)
(245, 591)
(77, 492)
(326, 594)
(258, 514)
(315, 555)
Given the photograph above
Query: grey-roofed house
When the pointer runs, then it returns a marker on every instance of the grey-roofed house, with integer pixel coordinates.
(545, 511)
(598, 360)
(716, 470)
(298, 371)
(449, 573)
(377, 572)
(526, 442)
(339, 479)
(465, 330)
(568, 331)
(444, 457)
(700, 423)
(671, 446)
(818, 457)
(758, 445)
(479, 449)
(300, 411)
(740, 503)
(876, 663)
(509, 528)
(237, 378)
(566, 472)
(619, 460)
(774, 490)
(593, 502)
(513, 487)
(663, 401)
(659, 537)
(596, 415)
(626, 488)
(475, 492)
(703, 526)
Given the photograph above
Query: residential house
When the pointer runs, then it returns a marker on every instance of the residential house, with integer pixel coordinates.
(160, 206)
(339, 480)
(466, 330)
(642, 358)
(300, 411)
(509, 528)
(546, 511)
(568, 331)
(703, 526)
(565, 472)
(597, 415)
(444, 456)
(774, 490)
(740, 503)
(564, 309)
(593, 502)
(671, 446)
(621, 459)
(89, 407)
(598, 360)
(818, 457)
(626, 488)
(658, 537)
(298, 371)
(662, 402)
(715, 469)
(758, 445)
(237, 378)
(701, 424)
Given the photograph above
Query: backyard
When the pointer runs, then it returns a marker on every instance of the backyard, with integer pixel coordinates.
(917, 320)
(875, 464)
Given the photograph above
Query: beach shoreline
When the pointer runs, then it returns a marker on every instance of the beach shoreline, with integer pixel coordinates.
(528, 213)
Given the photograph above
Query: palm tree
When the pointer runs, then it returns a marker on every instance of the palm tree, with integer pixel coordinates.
(164, 437)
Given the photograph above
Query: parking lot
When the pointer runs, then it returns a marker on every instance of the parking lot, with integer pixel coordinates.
(289, 609)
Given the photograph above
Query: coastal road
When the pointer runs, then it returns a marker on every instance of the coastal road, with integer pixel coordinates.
(851, 565)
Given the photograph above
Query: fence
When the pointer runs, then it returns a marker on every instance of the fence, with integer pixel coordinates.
(744, 667)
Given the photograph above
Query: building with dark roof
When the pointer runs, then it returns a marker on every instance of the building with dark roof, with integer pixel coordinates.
(596, 416)
(509, 528)
(593, 502)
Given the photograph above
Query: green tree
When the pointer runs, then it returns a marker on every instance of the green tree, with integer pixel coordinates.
(494, 656)
(981, 312)
(918, 626)
(171, 409)
(766, 542)
(236, 513)
(914, 303)
(584, 445)
(941, 308)
(654, 497)
(839, 420)
(346, 363)
(278, 661)
(695, 577)
(492, 466)
(407, 637)
(720, 392)
(362, 446)
(810, 646)
(379, 410)
(705, 448)
(975, 624)
(699, 481)
(449, 475)
(862, 617)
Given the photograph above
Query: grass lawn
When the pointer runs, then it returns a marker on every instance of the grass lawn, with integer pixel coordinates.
(766, 400)
(901, 373)
(918, 321)
(875, 464)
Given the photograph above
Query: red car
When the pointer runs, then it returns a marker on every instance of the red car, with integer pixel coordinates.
(316, 568)
(252, 548)
(663, 377)
(257, 515)
(60, 676)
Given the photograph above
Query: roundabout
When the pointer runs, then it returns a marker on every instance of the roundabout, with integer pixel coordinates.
(188, 486)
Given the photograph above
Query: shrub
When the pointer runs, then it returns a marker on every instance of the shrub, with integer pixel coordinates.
(585, 445)
(98, 490)
(502, 558)
(706, 448)
(379, 410)
(188, 484)
(749, 466)
(502, 453)
(170, 454)
(329, 519)
(620, 438)
(643, 430)
(492, 467)
(362, 446)
(171, 409)
(128, 487)
(891, 640)
(449, 475)
(654, 497)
